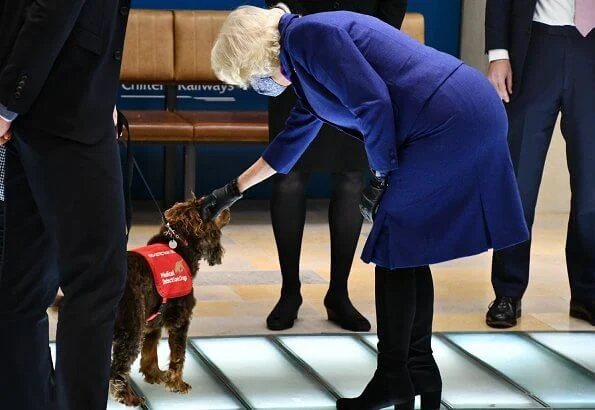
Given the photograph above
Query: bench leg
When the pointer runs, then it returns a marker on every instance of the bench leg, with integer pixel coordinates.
(169, 183)
(189, 170)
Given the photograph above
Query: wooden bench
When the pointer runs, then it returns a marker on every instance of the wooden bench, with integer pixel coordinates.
(173, 48)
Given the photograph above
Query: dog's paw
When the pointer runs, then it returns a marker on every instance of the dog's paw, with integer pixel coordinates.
(178, 386)
(122, 393)
(155, 377)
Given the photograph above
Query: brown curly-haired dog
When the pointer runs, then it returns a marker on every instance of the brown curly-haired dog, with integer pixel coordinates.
(132, 333)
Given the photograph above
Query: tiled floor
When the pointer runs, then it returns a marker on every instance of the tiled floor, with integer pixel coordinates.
(537, 370)
(235, 297)
(479, 371)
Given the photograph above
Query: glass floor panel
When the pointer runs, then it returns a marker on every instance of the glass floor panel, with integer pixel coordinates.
(480, 371)
(206, 393)
(551, 378)
(343, 361)
(263, 374)
(579, 347)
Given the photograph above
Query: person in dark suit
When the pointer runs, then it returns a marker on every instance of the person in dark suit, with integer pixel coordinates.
(542, 59)
(332, 152)
(434, 131)
(64, 222)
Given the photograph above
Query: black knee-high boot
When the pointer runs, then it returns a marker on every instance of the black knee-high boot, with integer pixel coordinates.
(422, 366)
(395, 314)
(345, 223)
(288, 215)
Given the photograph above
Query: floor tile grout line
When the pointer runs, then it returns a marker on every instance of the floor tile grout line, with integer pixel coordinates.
(303, 367)
(492, 370)
(371, 348)
(219, 375)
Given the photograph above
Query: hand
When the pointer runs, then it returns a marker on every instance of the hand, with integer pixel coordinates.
(500, 75)
(219, 200)
(5, 134)
(371, 196)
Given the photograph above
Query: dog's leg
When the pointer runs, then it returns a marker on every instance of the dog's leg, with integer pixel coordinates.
(149, 365)
(177, 346)
(126, 347)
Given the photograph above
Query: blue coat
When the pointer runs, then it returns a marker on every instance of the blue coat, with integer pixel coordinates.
(434, 125)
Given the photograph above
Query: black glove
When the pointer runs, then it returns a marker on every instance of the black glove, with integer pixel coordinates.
(219, 200)
(371, 196)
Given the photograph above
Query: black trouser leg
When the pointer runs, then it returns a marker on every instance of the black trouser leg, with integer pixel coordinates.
(77, 189)
(288, 215)
(578, 127)
(532, 116)
(28, 285)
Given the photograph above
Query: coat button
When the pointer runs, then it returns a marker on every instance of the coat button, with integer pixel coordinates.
(124, 10)
(17, 94)
(336, 5)
(118, 55)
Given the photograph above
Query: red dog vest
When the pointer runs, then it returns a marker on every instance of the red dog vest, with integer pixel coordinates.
(171, 273)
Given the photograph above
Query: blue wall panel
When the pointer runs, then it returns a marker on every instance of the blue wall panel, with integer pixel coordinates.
(218, 164)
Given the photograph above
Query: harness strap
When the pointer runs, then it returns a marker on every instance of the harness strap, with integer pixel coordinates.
(159, 311)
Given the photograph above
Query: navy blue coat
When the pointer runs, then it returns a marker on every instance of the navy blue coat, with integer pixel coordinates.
(435, 126)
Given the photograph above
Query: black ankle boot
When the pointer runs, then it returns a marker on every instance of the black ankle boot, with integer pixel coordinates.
(285, 312)
(384, 390)
(341, 311)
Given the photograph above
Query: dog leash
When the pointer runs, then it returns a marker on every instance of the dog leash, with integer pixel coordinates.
(131, 165)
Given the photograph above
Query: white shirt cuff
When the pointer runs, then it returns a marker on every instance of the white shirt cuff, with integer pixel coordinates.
(498, 54)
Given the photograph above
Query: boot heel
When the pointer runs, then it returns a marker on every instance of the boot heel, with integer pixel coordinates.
(431, 401)
(331, 315)
(407, 405)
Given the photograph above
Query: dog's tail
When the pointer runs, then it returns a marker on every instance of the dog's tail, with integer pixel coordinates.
(57, 303)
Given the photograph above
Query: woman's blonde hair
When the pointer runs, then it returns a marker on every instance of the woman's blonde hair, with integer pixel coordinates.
(248, 44)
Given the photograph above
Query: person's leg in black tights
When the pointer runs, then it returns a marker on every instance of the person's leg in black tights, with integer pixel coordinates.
(345, 222)
(288, 215)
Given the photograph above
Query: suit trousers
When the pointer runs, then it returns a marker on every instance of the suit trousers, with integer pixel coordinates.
(559, 77)
(64, 226)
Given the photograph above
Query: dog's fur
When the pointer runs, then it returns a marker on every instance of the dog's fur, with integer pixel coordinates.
(132, 333)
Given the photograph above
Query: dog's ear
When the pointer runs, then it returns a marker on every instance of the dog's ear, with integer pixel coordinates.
(223, 218)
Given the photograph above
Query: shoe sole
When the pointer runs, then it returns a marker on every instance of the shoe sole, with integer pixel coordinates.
(503, 324)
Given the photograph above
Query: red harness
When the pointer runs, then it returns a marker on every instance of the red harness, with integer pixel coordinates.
(171, 273)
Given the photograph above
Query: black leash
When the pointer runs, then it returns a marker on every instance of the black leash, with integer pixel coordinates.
(131, 164)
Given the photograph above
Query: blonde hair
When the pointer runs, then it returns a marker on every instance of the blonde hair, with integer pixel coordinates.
(248, 44)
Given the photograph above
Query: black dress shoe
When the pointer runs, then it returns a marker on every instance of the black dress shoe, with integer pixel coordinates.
(583, 309)
(503, 312)
(285, 312)
(341, 311)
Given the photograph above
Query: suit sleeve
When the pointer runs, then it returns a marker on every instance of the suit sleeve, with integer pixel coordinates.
(330, 55)
(295, 6)
(497, 24)
(290, 144)
(45, 29)
(392, 12)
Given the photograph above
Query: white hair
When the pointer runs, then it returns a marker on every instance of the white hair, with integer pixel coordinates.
(248, 44)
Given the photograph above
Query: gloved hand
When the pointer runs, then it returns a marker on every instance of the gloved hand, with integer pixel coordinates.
(219, 200)
(371, 196)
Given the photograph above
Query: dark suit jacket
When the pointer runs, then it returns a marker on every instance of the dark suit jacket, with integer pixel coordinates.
(508, 25)
(60, 64)
(389, 11)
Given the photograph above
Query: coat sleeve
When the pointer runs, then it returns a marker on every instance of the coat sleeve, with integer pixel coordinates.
(497, 24)
(290, 144)
(392, 12)
(330, 55)
(45, 29)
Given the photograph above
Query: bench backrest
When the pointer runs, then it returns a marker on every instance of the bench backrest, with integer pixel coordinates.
(174, 47)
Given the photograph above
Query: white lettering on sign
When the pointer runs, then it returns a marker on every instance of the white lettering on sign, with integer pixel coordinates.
(220, 88)
(142, 87)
